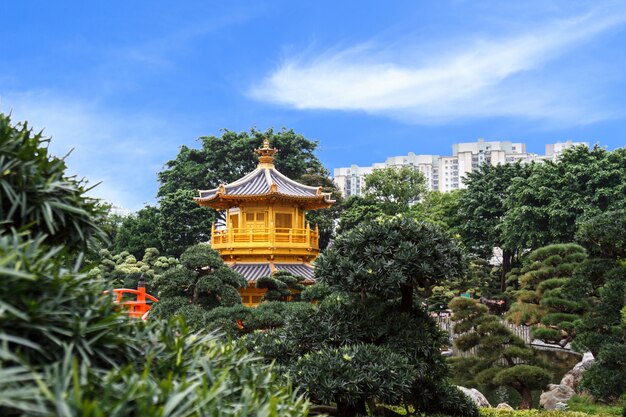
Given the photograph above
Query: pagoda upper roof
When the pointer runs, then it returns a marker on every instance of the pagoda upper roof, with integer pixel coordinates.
(263, 183)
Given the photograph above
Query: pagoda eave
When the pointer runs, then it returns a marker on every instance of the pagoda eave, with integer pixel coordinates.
(223, 202)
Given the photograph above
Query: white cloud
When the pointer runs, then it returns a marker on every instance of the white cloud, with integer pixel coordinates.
(486, 78)
(122, 151)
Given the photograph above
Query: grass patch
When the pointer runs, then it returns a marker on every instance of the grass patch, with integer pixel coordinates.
(586, 404)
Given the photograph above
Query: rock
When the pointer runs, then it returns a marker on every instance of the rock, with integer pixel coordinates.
(504, 406)
(573, 377)
(557, 394)
(476, 396)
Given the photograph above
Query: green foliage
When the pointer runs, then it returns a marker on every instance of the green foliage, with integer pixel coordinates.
(343, 375)
(315, 292)
(548, 205)
(282, 286)
(585, 404)
(203, 281)
(439, 208)
(606, 379)
(482, 207)
(502, 358)
(357, 210)
(182, 221)
(139, 231)
(604, 236)
(49, 311)
(390, 258)
(36, 195)
(396, 188)
(602, 325)
(544, 297)
(493, 412)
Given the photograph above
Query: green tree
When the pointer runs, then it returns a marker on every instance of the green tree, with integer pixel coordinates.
(201, 283)
(391, 258)
(326, 218)
(183, 222)
(139, 231)
(282, 286)
(543, 297)
(548, 206)
(481, 212)
(373, 313)
(396, 188)
(502, 358)
(37, 196)
(439, 208)
(357, 210)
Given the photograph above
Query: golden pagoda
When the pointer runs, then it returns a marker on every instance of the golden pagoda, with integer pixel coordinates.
(265, 229)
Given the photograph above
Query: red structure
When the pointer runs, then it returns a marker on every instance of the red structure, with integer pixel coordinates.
(139, 307)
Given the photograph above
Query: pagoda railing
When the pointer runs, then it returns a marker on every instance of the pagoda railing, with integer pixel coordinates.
(275, 237)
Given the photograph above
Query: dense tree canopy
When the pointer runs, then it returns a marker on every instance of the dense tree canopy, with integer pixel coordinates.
(481, 211)
(548, 206)
(391, 258)
(396, 188)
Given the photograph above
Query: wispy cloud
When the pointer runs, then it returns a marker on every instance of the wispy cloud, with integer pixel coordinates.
(486, 78)
(122, 151)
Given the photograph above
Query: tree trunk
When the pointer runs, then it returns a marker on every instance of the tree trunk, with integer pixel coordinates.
(527, 398)
(407, 298)
(507, 260)
(351, 410)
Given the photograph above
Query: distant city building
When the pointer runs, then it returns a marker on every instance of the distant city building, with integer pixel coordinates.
(445, 173)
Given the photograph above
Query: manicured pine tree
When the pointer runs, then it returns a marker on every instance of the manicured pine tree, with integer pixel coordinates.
(541, 299)
(502, 358)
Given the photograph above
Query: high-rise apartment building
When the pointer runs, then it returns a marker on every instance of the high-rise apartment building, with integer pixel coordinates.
(445, 173)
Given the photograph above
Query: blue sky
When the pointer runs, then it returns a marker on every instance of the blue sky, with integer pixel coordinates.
(125, 83)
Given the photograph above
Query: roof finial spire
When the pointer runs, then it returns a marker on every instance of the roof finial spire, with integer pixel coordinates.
(266, 154)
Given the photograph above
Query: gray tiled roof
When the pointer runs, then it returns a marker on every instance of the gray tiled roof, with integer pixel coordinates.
(252, 272)
(301, 270)
(260, 181)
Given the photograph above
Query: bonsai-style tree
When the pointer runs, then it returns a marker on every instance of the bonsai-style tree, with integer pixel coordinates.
(543, 298)
(371, 342)
(282, 286)
(201, 283)
(502, 358)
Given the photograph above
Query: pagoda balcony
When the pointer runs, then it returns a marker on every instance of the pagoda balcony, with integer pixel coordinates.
(289, 238)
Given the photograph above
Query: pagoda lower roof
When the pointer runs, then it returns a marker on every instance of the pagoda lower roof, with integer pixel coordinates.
(255, 270)
(264, 182)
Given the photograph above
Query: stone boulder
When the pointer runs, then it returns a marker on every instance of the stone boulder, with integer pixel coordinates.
(573, 377)
(566, 389)
(476, 396)
(557, 393)
(504, 406)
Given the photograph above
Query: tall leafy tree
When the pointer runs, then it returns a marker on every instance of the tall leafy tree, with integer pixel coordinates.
(139, 231)
(396, 188)
(481, 212)
(357, 210)
(439, 208)
(548, 206)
